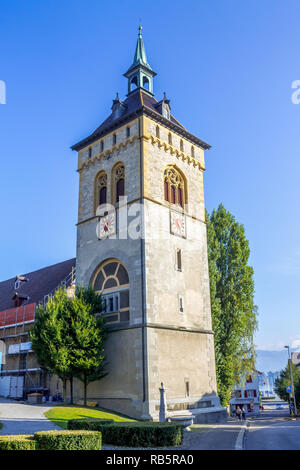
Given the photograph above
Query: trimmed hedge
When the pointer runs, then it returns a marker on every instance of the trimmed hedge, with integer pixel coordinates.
(68, 440)
(135, 434)
(17, 442)
(89, 424)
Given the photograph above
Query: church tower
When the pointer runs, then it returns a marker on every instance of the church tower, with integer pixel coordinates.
(141, 242)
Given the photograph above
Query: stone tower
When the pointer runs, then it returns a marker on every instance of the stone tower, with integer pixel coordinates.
(141, 242)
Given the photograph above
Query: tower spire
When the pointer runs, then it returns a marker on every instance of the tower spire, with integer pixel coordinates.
(140, 53)
(140, 74)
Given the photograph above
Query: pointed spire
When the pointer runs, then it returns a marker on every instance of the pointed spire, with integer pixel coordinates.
(140, 52)
(140, 74)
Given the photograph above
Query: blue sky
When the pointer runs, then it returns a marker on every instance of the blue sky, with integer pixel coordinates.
(228, 68)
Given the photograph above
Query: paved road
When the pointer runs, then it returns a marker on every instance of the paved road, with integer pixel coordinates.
(273, 430)
(20, 418)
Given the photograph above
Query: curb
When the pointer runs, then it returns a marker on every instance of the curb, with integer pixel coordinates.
(239, 445)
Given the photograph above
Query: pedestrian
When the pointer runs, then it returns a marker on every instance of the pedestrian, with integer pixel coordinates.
(243, 412)
(238, 412)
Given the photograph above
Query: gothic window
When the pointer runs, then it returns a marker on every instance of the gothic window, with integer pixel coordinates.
(181, 145)
(100, 189)
(157, 132)
(170, 138)
(90, 152)
(127, 131)
(118, 182)
(192, 151)
(174, 186)
(112, 281)
(114, 139)
(101, 146)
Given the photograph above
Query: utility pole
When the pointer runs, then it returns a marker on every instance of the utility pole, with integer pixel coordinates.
(292, 381)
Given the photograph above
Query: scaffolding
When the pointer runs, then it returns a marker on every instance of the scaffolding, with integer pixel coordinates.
(14, 333)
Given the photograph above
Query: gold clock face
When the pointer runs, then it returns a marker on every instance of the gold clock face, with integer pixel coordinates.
(107, 225)
(178, 226)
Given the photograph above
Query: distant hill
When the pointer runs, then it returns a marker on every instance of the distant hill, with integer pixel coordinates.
(271, 360)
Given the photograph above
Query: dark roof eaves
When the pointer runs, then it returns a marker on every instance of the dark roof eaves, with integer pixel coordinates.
(154, 114)
(179, 129)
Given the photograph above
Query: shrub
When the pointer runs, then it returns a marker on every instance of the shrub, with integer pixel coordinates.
(18, 442)
(90, 424)
(68, 440)
(135, 434)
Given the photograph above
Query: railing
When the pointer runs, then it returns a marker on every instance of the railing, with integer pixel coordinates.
(67, 282)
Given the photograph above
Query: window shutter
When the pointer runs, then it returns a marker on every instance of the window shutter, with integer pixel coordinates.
(120, 189)
(173, 197)
(166, 191)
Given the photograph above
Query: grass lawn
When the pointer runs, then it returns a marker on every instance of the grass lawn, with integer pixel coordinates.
(61, 414)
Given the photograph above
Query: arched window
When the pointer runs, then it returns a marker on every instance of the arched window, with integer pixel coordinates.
(90, 152)
(100, 189)
(101, 146)
(145, 83)
(133, 83)
(112, 281)
(114, 139)
(181, 145)
(128, 131)
(157, 132)
(192, 151)
(170, 138)
(118, 182)
(174, 186)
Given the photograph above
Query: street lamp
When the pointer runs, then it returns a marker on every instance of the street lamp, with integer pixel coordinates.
(291, 372)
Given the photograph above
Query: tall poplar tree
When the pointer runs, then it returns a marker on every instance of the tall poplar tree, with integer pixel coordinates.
(234, 315)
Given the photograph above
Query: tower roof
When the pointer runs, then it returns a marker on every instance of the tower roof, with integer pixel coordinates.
(137, 103)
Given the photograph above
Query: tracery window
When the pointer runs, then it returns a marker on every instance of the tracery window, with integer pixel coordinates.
(118, 182)
(174, 187)
(112, 281)
(100, 189)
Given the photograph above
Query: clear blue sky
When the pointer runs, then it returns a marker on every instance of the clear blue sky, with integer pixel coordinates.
(227, 67)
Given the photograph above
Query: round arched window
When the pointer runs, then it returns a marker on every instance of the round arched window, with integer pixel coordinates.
(112, 281)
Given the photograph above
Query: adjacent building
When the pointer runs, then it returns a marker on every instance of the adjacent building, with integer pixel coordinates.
(246, 393)
(19, 296)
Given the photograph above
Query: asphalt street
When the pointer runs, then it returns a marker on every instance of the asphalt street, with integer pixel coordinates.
(273, 429)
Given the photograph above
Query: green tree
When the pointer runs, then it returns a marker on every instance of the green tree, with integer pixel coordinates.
(88, 336)
(68, 337)
(284, 379)
(50, 340)
(234, 315)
